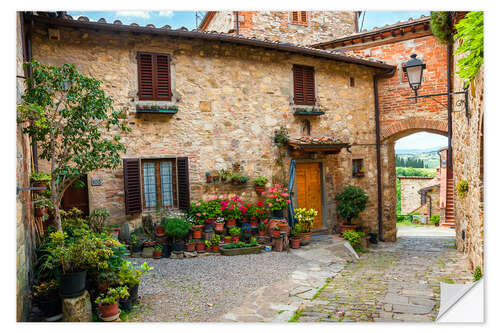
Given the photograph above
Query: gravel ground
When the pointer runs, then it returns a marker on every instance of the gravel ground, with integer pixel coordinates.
(203, 289)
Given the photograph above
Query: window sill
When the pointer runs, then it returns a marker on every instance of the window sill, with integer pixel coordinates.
(358, 174)
(307, 110)
(156, 107)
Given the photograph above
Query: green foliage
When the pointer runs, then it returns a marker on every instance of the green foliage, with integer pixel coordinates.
(435, 219)
(352, 201)
(112, 295)
(441, 27)
(130, 273)
(41, 177)
(416, 172)
(261, 181)
(238, 178)
(70, 117)
(97, 219)
(177, 227)
(241, 244)
(462, 188)
(470, 36)
(478, 274)
(45, 290)
(281, 137)
(412, 162)
(235, 231)
(353, 237)
(305, 218)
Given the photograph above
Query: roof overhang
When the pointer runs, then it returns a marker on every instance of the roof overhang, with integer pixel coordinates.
(54, 21)
(313, 145)
(206, 20)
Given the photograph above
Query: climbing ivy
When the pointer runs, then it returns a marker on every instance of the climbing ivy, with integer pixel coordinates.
(470, 37)
(441, 27)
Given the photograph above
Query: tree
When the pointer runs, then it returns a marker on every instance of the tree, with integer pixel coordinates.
(73, 123)
(470, 37)
(351, 202)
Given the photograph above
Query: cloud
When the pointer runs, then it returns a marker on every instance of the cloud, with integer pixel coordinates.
(133, 13)
(166, 13)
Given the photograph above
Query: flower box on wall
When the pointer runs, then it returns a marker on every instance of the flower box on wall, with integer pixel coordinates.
(155, 109)
(307, 111)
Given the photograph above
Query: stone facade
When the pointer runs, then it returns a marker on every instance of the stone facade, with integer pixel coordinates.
(230, 100)
(468, 165)
(410, 198)
(23, 198)
(277, 25)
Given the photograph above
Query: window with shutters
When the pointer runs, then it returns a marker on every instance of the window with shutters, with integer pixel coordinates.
(154, 76)
(303, 85)
(299, 18)
(159, 183)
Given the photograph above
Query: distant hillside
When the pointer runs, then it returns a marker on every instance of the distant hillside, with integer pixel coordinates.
(427, 159)
(412, 151)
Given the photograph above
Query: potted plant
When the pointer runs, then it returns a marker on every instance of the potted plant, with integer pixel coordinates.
(106, 279)
(235, 233)
(157, 252)
(295, 239)
(200, 245)
(230, 209)
(277, 200)
(129, 275)
(190, 245)
(42, 206)
(260, 184)
(209, 177)
(136, 245)
(216, 243)
(227, 239)
(40, 179)
(236, 166)
(177, 228)
(351, 202)
(283, 225)
(219, 224)
(108, 302)
(276, 232)
(224, 175)
(46, 296)
(262, 229)
(198, 214)
(305, 218)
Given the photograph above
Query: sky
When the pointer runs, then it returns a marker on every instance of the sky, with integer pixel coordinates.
(177, 19)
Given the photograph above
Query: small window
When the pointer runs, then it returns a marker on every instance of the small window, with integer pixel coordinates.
(303, 85)
(351, 82)
(154, 77)
(306, 127)
(358, 169)
(299, 18)
(159, 183)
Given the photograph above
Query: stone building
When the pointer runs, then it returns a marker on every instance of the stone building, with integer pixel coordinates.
(468, 162)
(302, 28)
(411, 200)
(228, 95)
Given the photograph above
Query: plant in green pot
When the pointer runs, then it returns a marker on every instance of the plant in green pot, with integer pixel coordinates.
(108, 302)
(130, 274)
(351, 202)
(260, 184)
(157, 251)
(235, 234)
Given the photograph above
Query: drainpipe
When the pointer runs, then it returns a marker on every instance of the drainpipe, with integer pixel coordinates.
(449, 73)
(237, 23)
(376, 77)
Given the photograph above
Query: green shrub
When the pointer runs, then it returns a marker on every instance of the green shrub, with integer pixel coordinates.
(235, 231)
(260, 181)
(478, 274)
(441, 27)
(352, 201)
(471, 45)
(435, 219)
(353, 237)
(462, 188)
(177, 227)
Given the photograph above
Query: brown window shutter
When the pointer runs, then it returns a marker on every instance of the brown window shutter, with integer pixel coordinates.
(145, 72)
(183, 183)
(303, 85)
(132, 185)
(303, 17)
(163, 91)
(295, 17)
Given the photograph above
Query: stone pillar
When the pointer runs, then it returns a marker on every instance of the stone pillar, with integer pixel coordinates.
(388, 158)
(78, 309)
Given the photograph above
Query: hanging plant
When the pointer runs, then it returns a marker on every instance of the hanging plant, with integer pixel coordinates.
(441, 27)
(462, 188)
(281, 137)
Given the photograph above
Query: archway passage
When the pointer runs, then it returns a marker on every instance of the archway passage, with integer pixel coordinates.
(427, 189)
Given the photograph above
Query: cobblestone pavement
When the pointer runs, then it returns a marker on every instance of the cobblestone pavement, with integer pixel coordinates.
(392, 282)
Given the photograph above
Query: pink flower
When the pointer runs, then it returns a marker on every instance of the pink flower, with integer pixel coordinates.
(198, 214)
(278, 199)
(288, 201)
(270, 204)
(284, 194)
(204, 213)
(198, 204)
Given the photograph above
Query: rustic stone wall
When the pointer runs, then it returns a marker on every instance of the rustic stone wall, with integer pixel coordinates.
(277, 25)
(468, 165)
(410, 198)
(230, 99)
(23, 198)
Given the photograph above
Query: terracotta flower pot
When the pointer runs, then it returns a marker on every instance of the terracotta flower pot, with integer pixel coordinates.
(295, 242)
(190, 247)
(236, 239)
(108, 310)
(197, 231)
(259, 189)
(227, 239)
(284, 227)
(219, 226)
(200, 247)
(215, 248)
(39, 184)
(253, 222)
(230, 223)
(276, 233)
(208, 249)
(39, 212)
(157, 254)
(305, 238)
(262, 232)
(159, 231)
(346, 227)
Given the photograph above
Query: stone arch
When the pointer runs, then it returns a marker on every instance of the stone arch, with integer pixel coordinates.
(405, 127)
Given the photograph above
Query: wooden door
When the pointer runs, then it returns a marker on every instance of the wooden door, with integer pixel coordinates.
(308, 176)
(77, 198)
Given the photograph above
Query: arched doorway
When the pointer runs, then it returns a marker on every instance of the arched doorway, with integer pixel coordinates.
(391, 135)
